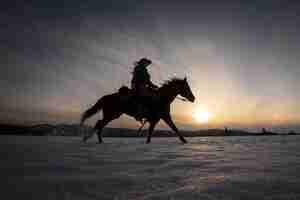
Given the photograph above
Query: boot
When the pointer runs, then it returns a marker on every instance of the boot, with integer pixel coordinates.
(140, 112)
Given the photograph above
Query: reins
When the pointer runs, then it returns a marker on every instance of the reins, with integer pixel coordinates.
(182, 99)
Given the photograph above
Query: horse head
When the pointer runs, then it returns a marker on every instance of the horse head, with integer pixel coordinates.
(185, 91)
(177, 86)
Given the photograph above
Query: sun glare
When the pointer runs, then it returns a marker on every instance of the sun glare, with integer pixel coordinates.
(201, 115)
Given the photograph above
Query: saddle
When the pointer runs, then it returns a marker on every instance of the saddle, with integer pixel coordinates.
(142, 104)
(125, 92)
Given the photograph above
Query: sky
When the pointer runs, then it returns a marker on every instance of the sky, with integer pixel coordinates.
(241, 58)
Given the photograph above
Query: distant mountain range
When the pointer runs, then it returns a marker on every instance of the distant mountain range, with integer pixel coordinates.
(76, 130)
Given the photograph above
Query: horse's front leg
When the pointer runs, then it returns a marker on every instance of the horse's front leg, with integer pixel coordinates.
(150, 131)
(170, 122)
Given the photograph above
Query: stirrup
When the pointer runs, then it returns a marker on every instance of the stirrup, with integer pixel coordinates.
(143, 121)
(139, 119)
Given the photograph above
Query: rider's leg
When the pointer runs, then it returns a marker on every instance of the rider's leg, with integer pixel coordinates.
(140, 102)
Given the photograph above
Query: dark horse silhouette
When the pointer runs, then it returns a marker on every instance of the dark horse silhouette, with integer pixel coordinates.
(116, 104)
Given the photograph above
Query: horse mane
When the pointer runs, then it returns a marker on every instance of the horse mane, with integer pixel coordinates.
(172, 81)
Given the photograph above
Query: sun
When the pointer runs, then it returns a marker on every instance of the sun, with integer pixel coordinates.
(201, 115)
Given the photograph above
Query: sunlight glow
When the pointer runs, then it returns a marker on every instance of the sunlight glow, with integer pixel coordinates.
(201, 115)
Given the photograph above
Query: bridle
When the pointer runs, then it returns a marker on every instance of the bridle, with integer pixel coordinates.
(181, 98)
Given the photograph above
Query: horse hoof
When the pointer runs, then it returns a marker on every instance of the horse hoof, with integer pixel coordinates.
(184, 141)
(148, 141)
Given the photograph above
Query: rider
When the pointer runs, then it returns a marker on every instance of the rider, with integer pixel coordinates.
(141, 79)
(141, 82)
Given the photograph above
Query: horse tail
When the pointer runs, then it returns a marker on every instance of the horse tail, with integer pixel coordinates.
(91, 111)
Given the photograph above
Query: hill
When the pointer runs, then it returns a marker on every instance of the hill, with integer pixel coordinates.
(76, 130)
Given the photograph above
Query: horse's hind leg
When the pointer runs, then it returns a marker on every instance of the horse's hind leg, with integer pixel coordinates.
(97, 129)
(88, 135)
(99, 126)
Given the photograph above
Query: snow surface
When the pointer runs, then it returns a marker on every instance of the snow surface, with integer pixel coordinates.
(261, 167)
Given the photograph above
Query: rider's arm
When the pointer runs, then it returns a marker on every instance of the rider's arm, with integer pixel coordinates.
(152, 85)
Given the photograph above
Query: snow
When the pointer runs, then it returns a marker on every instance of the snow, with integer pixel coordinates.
(261, 167)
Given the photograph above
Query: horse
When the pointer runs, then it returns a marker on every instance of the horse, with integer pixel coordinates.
(116, 104)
